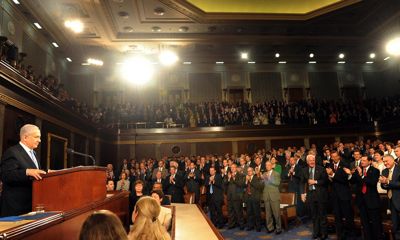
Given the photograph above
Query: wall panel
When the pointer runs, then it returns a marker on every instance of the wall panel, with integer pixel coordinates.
(265, 86)
(250, 146)
(220, 148)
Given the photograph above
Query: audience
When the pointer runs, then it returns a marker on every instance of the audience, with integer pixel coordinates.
(146, 224)
(102, 225)
(165, 215)
(110, 185)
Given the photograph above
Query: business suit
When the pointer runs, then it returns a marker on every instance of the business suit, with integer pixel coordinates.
(234, 191)
(394, 186)
(252, 197)
(272, 200)
(17, 186)
(193, 180)
(294, 179)
(368, 202)
(175, 189)
(317, 198)
(341, 200)
(215, 199)
(163, 170)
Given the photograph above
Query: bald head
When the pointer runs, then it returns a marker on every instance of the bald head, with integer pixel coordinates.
(30, 136)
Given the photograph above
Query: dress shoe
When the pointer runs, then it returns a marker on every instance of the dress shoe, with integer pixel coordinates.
(278, 232)
(249, 228)
(270, 231)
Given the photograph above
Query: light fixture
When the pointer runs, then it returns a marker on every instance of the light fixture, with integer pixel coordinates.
(282, 62)
(16, 2)
(341, 62)
(55, 44)
(312, 62)
(277, 55)
(168, 58)
(37, 25)
(96, 62)
(372, 55)
(187, 63)
(244, 55)
(341, 55)
(251, 62)
(219, 62)
(386, 58)
(369, 62)
(393, 46)
(137, 70)
(311, 55)
(74, 25)
(156, 29)
(68, 59)
(183, 29)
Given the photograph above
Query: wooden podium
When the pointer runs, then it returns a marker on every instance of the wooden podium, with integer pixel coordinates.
(71, 195)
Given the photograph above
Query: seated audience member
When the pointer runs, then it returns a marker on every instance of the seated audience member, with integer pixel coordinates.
(165, 216)
(136, 194)
(146, 224)
(165, 200)
(110, 172)
(110, 185)
(123, 184)
(102, 225)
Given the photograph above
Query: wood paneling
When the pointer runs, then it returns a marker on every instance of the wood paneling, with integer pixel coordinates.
(145, 151)
(348, 139)
(322, 141)
(220, 148)
(124, 151)
(250, 146)
(108, 154)
(277, 143)
(166, 149)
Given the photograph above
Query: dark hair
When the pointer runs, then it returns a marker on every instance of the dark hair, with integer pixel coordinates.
(138, 182)
(380, 152)
(159, 193)
(102, 225)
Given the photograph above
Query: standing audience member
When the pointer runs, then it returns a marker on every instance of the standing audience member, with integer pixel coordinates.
(215, 197)
(145, 221)
(193, 179)
(272, 198)
(390, 180)
(314, 192)
(102, 225)
(234, 184)
(252, 197)
(174, 185)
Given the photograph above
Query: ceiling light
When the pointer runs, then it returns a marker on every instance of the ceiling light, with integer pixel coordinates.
(341, 55)
(187, 63)
(69, 59)
(244, 55)
(74, 25)
(159, 11)
(386, 58)
(156, 29)
(372, 55)
(37, 25)
(312, 62)
(277, 55)
(251, 62)
(341, 62)
(369, 62)
(137, 70)
(282, 62)
(168, 58)
(183, 29)
(393, 46)
(85, 64)
(96, 62)
(55, 44)
(311, 55)
(219, 62)
(16, 2)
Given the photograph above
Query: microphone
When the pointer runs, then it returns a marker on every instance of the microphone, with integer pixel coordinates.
(73, 152)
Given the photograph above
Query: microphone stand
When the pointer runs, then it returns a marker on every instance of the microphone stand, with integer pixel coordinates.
(73, 152)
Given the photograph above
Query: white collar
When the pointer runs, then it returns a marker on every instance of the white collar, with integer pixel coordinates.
(27, 149)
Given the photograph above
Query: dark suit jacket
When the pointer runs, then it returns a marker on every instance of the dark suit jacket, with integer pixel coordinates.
(17, 187)
(293, 180)
(371, 198)
(256, 188)
(394, 185)
(340, 182)
(218, 192)
(193, 183)
(321, 188)
(175, 190)
(235, 187)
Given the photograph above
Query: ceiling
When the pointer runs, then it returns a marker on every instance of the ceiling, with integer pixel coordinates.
(204, 31)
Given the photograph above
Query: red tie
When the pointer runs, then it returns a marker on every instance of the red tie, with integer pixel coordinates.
(335, 167)
(364, 186)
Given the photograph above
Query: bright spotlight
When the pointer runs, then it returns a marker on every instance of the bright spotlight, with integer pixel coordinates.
(168, 58)
(75, 25)
(311, 55)
(393, 46)
(341, 55)
(244, 55)
(372, 55)
(137, 70)
(277, 55)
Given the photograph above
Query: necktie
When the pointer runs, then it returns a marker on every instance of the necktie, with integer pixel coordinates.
(364, 186)
(390, 179)
(248, 189)
(211, 189)
(311, 187)
(336, 167)
(32, 153)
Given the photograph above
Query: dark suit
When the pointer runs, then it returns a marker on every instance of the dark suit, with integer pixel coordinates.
(252, 197)
(215, 199)
(369, 203)
(17, 187)
(294, 186)
(175, 189)
(394, 186)
(234, 191)
(341, 200)
(193, 183)
(317, 198)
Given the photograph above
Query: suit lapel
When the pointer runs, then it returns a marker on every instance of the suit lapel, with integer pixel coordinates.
(26, 158)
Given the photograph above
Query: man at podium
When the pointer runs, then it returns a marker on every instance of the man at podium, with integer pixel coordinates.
(19, 167)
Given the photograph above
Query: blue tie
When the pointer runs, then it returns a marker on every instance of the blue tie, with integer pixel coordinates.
(211, 189)
(32, 153)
